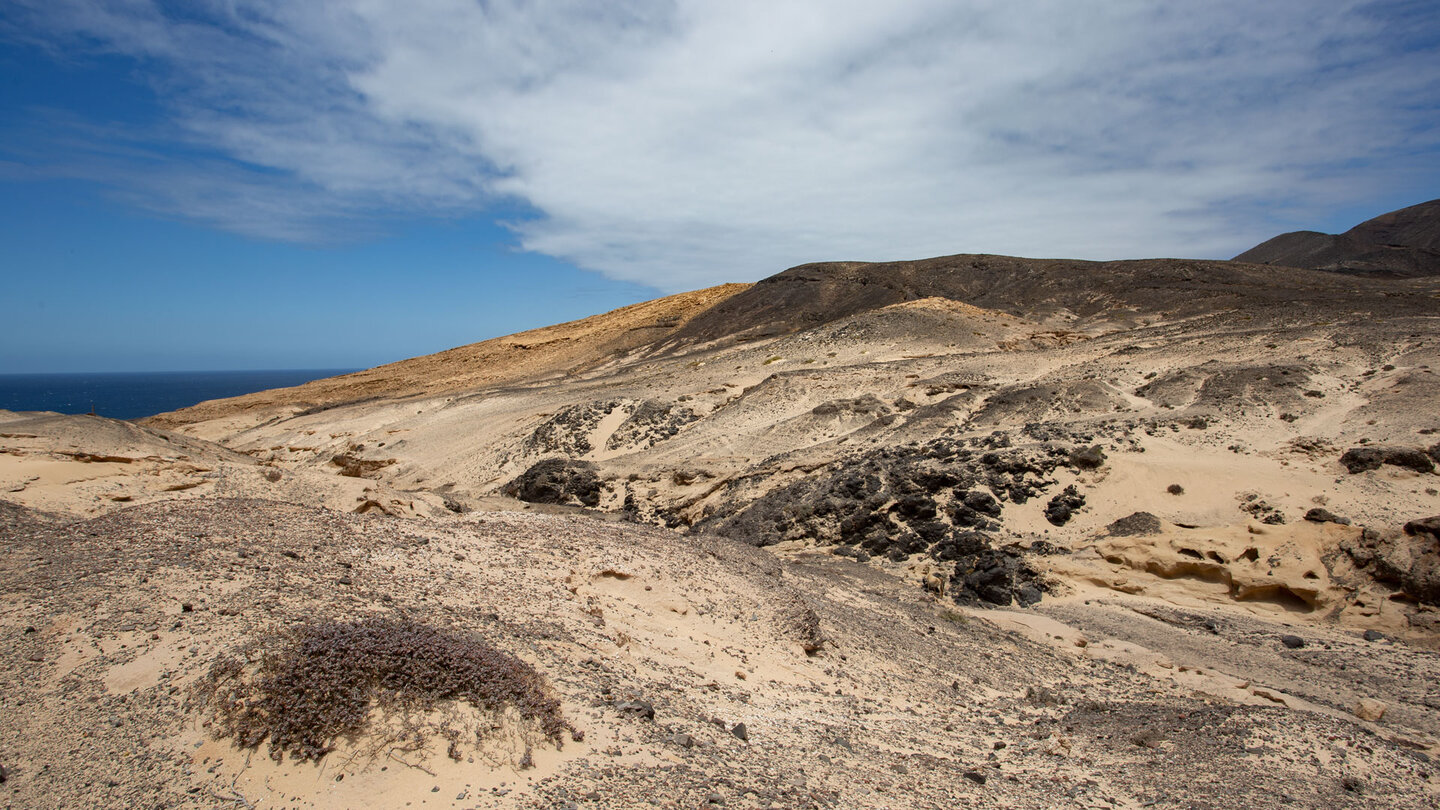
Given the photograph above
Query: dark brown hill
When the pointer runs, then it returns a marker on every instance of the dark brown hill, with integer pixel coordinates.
(1403, 243)
(812, 294)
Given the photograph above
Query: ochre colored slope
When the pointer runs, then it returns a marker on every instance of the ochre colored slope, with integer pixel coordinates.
(552, 350)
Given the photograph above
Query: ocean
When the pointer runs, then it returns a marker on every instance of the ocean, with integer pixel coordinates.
(139, 394)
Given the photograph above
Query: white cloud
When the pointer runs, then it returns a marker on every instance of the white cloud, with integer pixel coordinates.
(683, 144)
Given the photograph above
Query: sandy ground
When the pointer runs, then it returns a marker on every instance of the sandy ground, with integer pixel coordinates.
(907, 701)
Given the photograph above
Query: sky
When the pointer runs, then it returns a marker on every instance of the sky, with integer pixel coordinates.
(232, 184)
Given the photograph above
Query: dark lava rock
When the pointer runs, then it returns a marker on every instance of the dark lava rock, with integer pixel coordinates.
(998, 576)
(568, 431)
(1139, 524)
(883, 500)
(1292, 642)
(943, 498)
(1361, 459)
(741, 732)
(960, 544)
(1430, 526)
(557, 480)
(1378, 556)
(1062, 506)
(1318, 515)
(982, 502)
(1373, 635)
(649, 424)
(976, 777)
(1089, 458)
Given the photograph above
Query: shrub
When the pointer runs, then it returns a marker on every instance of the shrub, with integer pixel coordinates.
(317, 683)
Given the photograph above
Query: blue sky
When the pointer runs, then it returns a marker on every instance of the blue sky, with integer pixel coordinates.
(219, 184)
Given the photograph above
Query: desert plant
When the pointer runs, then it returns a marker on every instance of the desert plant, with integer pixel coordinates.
(305, 688)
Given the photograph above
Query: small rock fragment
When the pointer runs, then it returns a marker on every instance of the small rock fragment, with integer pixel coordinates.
(639, 708)
(1293, 642)
(1318, 515)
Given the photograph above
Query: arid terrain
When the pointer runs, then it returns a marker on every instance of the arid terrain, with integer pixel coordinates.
(972, 531)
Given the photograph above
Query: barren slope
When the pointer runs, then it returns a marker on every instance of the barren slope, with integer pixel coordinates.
(681, 666)
(561, 350)
(1401, 243)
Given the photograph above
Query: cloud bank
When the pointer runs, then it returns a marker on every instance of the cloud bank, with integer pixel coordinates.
(679, 144)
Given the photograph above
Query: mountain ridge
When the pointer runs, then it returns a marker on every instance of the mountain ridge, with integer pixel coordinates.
(1404, 243)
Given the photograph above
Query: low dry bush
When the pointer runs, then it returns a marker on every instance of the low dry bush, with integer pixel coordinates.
(306, 688)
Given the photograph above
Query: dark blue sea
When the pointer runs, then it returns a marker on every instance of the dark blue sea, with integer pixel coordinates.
(141, 394)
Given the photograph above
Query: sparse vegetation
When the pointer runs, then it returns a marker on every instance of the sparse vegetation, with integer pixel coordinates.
(305, 688)
(953, 616)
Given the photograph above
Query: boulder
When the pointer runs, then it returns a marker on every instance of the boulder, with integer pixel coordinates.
(1088, 458)
(1411, 563)
(558, 481)
(1363, 459)
(1369, 709)
(1318, 515)
(1430, 526)
(1062, 506)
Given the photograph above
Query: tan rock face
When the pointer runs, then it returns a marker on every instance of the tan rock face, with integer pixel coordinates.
(1284, 565)
(1369, 709)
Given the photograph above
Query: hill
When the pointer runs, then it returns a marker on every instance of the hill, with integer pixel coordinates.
(1403, 243)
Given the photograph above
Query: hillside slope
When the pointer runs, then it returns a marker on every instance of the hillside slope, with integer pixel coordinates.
(565, 349)
(1403, 243)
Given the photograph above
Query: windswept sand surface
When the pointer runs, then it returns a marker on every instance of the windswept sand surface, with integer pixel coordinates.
(974, 531)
